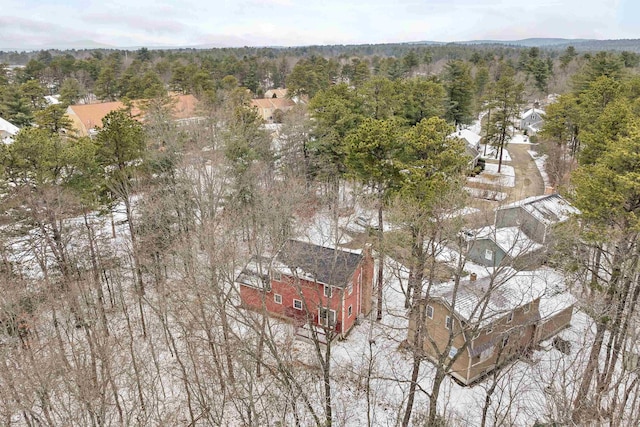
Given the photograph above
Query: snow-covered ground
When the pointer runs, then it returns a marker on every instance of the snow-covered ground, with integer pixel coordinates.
(480, 193)
(536, 389)
(523, 388)
(526, 391)
(490, 175)
(540, 161)
(519, 138)
(492, 153)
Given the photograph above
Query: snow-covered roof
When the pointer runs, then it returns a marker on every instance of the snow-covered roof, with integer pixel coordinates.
(502, 294)
(511, 240)
(530, 111)
(556, 297)
(472, 140)
(256, 273)
(471, 137)
(52, 99)
(7, 127)
(548, 209)
(509, 290)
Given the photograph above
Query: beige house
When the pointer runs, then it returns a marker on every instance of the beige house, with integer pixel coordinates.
(267, 107)
(491, 321)
(87, 118)
(276, 93)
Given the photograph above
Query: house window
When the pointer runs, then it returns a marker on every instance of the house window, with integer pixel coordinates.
(327, 317)
(452, 352)
(430, 312)
(527, 308)
(488, 254)
(277, 298)
(349, 310)
(275, 275)
(447, 322)
(350, 289)
(297, 304)
(510, 317)
(487, 353)
(489, 329)
(505, 340)
(327, 291)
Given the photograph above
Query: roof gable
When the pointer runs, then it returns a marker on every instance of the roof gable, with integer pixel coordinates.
(8, 127)
(530, 112)
(279, 93)
(511, 240)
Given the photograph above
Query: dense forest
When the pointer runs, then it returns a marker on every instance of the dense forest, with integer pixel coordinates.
(120, 252)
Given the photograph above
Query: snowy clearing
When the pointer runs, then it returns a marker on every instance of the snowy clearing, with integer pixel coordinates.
(480, 193)
(490, 175)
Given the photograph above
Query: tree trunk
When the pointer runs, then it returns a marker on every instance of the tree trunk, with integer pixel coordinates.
(412, 388)
(435, 392)
(96, 273)
(381, 260)
(136, 263)
(326, 374)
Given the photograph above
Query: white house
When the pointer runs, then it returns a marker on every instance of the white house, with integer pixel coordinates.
(531, 120)
(7, 131)
(52, 99)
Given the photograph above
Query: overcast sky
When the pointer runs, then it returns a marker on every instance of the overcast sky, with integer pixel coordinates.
(47, 23)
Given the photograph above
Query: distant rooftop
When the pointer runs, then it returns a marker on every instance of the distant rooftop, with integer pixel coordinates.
(275, 103)
(91, 115)
(530, 111)
(279, 93)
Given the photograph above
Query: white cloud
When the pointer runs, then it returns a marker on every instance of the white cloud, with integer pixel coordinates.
(300, 22)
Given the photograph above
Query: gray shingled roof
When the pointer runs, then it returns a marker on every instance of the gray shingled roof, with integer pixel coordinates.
(548, 208)
(326, 265)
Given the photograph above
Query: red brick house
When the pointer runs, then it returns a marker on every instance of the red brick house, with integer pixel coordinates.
(311, 285)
